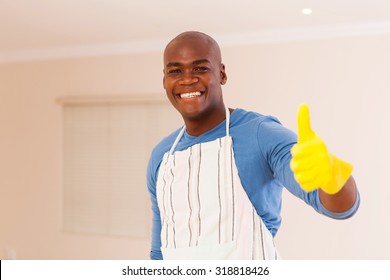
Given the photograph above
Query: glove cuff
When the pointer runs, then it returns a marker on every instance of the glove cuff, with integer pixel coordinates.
(341, 171)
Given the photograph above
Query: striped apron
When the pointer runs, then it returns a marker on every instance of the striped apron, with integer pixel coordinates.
(205, 211)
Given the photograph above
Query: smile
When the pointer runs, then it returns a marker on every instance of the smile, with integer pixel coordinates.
(190, 94)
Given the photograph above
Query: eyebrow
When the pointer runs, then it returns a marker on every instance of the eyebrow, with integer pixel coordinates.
(200, 61)
(196, 62)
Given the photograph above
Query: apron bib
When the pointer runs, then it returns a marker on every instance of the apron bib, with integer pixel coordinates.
(205, 212)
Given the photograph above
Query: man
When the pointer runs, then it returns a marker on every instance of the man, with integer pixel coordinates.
(216, 184)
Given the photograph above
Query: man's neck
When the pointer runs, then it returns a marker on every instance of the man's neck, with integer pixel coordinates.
(198, 127)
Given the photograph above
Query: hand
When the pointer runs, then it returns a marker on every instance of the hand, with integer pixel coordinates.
(313, 166)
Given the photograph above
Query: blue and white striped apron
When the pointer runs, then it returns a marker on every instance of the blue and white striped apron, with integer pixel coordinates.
(205, 211)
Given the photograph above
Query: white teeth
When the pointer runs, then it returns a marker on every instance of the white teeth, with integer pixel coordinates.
(190, 94)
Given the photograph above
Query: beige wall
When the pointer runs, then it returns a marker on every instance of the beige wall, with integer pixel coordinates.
(344, 81)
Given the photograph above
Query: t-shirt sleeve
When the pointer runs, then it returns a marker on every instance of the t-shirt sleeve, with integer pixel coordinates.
(151, 177)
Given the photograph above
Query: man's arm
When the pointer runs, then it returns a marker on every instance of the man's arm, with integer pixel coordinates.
(341, 201)
(315, 168)
(155, 251)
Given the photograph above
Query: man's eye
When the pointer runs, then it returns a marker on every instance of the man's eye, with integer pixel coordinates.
(200, 69)
(173, 71)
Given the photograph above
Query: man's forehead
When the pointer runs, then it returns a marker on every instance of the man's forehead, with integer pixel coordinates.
(187, 44)
(183, 63)
(189, 51)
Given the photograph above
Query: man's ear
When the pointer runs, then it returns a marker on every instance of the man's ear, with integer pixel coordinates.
(164, 78)
(223, 76)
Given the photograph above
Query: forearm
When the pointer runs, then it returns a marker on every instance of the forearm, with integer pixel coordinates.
(342, 200)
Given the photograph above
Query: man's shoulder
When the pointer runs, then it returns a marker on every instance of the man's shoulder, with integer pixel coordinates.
(242, 116)
(165, 144)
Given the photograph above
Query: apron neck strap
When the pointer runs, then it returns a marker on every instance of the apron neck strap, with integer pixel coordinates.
(180, 135)
(177, 140)
(227, 121)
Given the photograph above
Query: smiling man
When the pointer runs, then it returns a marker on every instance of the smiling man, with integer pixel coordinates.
(192, 79)
(216, 183)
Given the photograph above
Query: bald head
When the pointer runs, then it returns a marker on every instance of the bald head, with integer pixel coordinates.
(196, 39)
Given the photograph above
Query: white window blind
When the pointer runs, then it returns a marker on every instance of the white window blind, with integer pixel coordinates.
(106, 149)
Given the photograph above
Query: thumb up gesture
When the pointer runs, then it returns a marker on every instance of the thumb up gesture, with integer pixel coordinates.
(313, 166)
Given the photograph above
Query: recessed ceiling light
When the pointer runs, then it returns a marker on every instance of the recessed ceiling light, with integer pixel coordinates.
(307, 11)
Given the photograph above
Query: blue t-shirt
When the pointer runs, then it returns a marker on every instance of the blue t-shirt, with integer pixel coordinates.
(262, 153)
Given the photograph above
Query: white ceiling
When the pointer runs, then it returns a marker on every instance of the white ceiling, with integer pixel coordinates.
(53, 28)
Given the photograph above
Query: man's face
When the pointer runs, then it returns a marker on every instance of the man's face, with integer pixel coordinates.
(193, 75)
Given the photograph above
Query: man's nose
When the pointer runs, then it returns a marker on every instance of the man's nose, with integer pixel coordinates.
(188, 78)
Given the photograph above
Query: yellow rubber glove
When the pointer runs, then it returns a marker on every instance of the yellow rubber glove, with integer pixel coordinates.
(313, 166)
